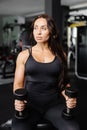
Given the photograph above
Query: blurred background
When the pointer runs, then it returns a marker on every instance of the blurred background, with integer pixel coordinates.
(71, 19)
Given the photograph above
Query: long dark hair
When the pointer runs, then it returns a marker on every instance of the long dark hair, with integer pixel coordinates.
(54, 40)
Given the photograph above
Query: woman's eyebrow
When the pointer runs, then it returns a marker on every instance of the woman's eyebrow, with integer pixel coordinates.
(41, 25)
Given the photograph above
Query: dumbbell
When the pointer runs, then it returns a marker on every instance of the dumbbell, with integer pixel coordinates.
(21, 94)
(68, 113)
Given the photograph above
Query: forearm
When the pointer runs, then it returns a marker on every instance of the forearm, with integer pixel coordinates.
(17, 86)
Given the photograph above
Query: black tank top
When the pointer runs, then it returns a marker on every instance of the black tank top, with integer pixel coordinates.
(42, 82)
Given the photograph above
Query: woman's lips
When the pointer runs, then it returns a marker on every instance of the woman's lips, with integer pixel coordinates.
(39, 38)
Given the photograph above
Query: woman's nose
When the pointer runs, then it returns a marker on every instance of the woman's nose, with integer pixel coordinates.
(39, 31)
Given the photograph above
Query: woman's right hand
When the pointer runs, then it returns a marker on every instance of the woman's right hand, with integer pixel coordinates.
(19, 105)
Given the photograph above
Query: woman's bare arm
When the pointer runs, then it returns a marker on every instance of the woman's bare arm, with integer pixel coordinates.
(20, 70)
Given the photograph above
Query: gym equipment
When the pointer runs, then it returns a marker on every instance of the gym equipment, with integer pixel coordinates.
(41, 125)
(21, 94)
(68, 113)
(81, 53)
(44, 125)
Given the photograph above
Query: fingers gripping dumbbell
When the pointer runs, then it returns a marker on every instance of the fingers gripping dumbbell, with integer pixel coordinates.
(68, 112)
(21, 94)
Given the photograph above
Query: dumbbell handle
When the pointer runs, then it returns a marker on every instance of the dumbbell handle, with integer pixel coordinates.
(68, 110)
(20, 113)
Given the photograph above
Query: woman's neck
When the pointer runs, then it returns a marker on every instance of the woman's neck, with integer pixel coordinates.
(42, 46)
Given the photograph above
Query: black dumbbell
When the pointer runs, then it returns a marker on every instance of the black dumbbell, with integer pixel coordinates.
(21, 94)
(68, 113)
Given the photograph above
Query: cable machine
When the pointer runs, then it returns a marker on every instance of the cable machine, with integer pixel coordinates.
(77, 39)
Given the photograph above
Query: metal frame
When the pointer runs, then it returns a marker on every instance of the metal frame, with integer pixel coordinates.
(76, 63)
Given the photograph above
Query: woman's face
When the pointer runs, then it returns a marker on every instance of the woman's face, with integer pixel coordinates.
(41, 31)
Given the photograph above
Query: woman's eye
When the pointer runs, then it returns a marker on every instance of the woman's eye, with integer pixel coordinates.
(43, 28)
(35, 28)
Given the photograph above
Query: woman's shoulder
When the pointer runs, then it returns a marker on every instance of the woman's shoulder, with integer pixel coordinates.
(23, 55)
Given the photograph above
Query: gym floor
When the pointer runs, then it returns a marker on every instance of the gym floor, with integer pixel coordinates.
(6, 99)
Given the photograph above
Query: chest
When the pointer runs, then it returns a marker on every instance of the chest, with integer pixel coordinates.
(52, 68)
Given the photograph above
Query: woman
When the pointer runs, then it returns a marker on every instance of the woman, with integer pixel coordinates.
(44, 68)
